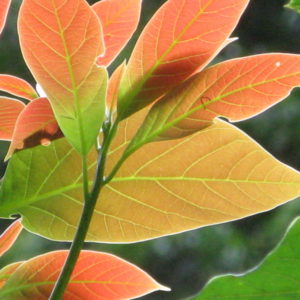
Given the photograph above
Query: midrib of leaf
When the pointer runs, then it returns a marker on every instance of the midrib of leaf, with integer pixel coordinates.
(74, 84)
(42, 283)
(134, 146)
(12, 233)
(200, 179)
(77, 107)
(158, 62)
(19, 88)
(8, 209)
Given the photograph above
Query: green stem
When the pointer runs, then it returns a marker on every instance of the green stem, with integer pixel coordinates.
(85, 219)
(77, 244)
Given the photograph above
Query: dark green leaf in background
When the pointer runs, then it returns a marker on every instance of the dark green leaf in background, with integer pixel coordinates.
(276, 278)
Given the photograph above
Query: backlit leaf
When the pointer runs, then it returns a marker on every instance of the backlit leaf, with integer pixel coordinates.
(9, 236)
(216, 175)
(119, 19)
(10, 109)
(236, 89)
(17, 86)
(114, 85)
(7, 271)
(36, 125)
(277, 277)
(180, 39)
(4, 7)
(60, 41)
(97, 276)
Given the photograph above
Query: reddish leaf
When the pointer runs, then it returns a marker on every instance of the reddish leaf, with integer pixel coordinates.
(36, 125)
(182, 37)
(60, 41)
(114, 85)
(4, 7)
(9, 236)
(17, 87)
(119, 20)
(7, 271)
(236, 89)
(96, 276)
(9, 112)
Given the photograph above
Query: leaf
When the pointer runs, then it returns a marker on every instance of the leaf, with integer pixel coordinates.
(7, 271)
(17, 86)
(181, 39)
(4, 7)
(36, 125)
(60, 41)
(119, 20)
(114, 86)
(236, 89)
(96, 276)
(9, 236)
(294, 4)
(277, 277)
(216, 175)
(10, 109)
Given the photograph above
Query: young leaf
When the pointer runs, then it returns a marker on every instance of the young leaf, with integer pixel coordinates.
(181, 38)
(114, 86)
(119, 20)
(36, 125)
(60, 41)
(17, 86)
(97, 276)
(216, 175)
(4, 7)
(277, 277)
(10, 110)
(236, 89)
(7, 271)
(9, 236)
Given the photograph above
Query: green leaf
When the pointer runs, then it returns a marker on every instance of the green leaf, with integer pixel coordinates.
(294, 4)
(276, 278)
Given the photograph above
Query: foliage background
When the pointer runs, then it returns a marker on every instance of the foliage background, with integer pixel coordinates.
(186, 261)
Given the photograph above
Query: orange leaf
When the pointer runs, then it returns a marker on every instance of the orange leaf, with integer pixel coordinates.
(4, 7)
(9, 236)
(114, 85)
(119, 20)
(96, 276)
(17, 87)
(60, 41)
(10, 109)
(36, 125)
(236, 89)
(7, 271)
(181, 38)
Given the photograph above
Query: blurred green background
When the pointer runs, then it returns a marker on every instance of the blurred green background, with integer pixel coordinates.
(186, 261)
